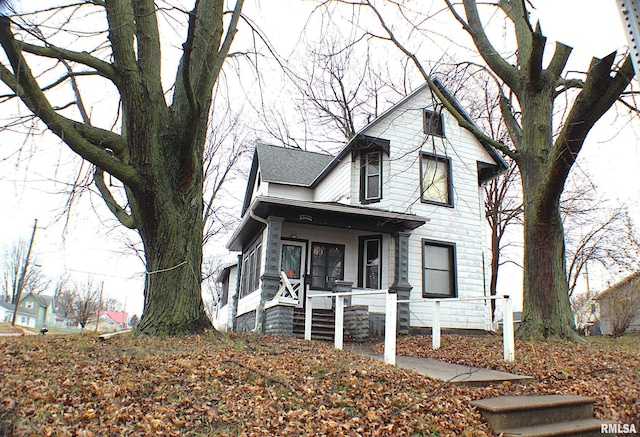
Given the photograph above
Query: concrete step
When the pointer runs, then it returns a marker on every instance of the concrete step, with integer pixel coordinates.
(573, 428)
(322, 326)
(517, 411)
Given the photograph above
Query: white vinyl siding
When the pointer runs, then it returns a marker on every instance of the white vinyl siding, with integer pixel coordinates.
(463, 225)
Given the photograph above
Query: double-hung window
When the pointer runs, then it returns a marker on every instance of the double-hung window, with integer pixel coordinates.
(438, 269)
(371, 177)
(435, 179)
(369, 261)
(251, 264)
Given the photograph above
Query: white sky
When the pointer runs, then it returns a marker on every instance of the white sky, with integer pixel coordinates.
(94, 246)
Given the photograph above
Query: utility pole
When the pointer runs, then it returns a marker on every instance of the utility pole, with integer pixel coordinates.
(630, 14)
(99, 306)
(23, 274)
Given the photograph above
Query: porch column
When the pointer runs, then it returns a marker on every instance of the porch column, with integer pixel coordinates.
(401, 284)
(270, 279)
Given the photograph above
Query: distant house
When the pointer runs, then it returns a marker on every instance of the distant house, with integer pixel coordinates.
(42, 305)
(620, 307)
(26, 317)
(109, 321)
(399, 208)
(223, 312)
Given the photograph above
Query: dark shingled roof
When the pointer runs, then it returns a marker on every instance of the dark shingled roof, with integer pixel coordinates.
(290, 166)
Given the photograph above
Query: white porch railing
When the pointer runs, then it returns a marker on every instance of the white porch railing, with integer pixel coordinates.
(391, 314)
(508, 331)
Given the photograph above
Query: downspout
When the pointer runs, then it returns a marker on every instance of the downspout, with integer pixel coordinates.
(256, 218)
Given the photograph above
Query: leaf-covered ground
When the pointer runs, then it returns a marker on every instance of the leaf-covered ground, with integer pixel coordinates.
(261, 385)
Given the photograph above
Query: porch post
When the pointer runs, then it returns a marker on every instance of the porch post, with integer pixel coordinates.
(401, 284)
(270, 279)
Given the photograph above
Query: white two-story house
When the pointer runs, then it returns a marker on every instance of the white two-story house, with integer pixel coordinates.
(400, 208)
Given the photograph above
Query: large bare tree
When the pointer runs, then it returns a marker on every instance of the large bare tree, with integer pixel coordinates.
(156, 148)
(532, 94)
(549, 113)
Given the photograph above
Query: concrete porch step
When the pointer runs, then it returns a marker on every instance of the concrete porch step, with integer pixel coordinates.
(322, 327)
(517, 411)
(551, 415)
(573, 428)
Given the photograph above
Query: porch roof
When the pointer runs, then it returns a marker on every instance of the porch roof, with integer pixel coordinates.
(319, 214)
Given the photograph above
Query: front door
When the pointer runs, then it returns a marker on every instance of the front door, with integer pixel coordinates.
(293, 264)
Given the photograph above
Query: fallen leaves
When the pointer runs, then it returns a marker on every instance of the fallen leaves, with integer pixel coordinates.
(262, 386)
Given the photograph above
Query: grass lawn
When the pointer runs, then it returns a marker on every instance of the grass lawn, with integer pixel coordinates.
(6, 328)
(210, 385)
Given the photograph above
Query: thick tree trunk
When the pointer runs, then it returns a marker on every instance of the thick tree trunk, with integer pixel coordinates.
(546, 309)
(173, 248)
(547, 312)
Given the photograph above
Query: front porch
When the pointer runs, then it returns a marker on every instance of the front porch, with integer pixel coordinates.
(318, 246)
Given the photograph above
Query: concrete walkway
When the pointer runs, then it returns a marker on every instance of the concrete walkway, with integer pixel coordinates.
(453, 373)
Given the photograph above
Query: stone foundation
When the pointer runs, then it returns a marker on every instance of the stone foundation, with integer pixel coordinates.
(279, 321)
(356, 322)
(246, 322)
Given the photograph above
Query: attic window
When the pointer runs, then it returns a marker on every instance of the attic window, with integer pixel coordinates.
(433, 123)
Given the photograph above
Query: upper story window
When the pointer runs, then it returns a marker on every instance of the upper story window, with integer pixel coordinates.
(28, 305)
(433, 123)
(371, 177)
(435, 179)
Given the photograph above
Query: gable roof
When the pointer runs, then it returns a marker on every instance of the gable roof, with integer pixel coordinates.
(290, 166)
(629, 280)
(282, 165)
(116, 316)
(43, 300)
(21, 310)
(487, 173)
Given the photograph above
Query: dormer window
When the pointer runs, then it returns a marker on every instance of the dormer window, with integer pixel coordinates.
(433, 123)
(371, 177)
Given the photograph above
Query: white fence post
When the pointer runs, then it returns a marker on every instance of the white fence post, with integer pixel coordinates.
(435, 329)
(308, 314)
(339, 334)
(507, 330)
(390, 322)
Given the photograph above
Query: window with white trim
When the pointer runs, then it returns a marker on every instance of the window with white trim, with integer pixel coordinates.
(439, 269)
